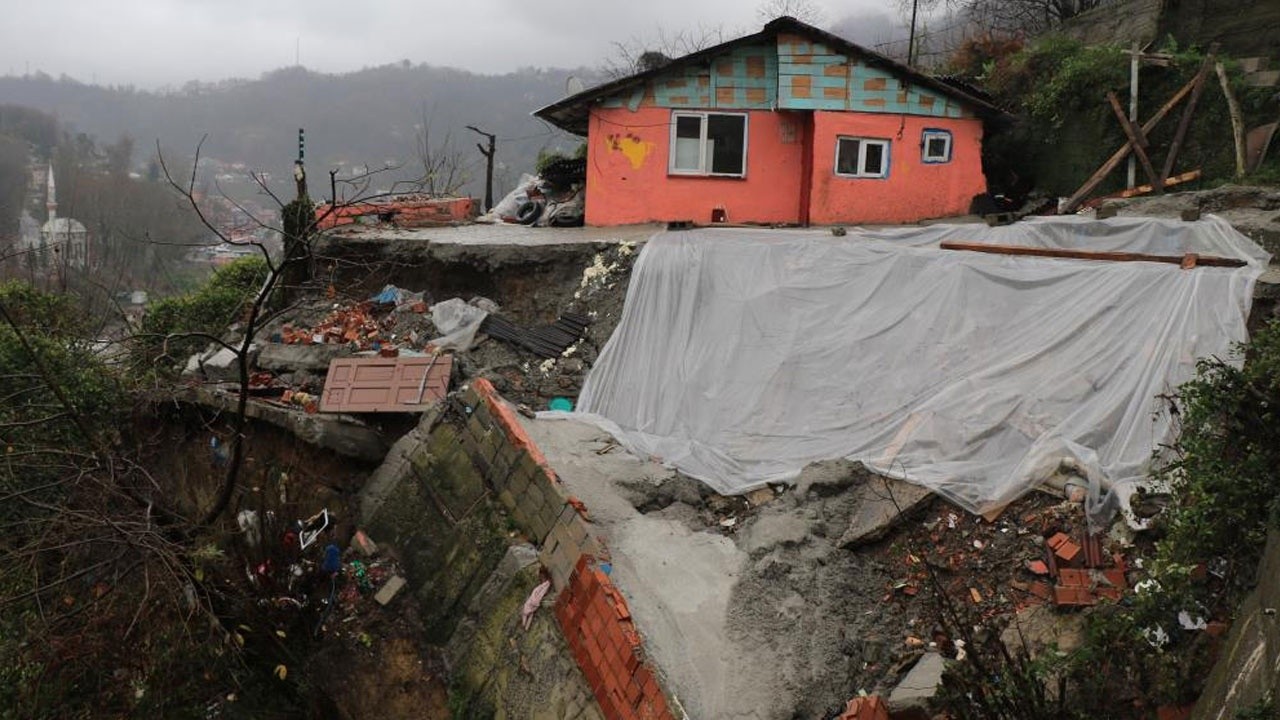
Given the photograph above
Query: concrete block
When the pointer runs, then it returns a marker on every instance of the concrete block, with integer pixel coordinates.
(507, 499)
(389, 590)
(1265, 78)
(881, 504)
(1253, 64)
(910, 699)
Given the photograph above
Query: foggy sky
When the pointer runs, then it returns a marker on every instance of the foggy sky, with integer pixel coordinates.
(155, 43)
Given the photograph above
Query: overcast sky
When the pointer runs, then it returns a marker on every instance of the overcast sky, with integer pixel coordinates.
(152, 43)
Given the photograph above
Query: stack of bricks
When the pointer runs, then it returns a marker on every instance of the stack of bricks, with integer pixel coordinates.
(597, 624)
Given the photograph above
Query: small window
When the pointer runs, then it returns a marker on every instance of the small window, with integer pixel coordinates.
(935, 146)
(709, 144)
(862, 157)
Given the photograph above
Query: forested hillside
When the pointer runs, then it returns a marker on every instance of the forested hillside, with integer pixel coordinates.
(370, 117)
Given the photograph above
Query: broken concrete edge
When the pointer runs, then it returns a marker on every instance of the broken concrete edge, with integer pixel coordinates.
(341, 434)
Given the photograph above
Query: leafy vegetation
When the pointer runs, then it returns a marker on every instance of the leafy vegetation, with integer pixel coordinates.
(1066, 128)
(173, 326)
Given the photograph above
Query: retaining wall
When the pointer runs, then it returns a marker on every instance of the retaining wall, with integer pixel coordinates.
(450, 496)
(592, 613)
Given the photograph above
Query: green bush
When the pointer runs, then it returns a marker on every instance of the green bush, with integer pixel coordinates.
(210, 309)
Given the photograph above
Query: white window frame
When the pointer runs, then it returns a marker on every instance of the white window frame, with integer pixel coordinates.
(703, 169)
(931, 134)
(862, 157)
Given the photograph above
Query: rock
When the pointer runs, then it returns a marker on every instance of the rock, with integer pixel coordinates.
(910, 699)
(389, 590)
(828, 477)
(1042, 629)
(312, 358)
(881, 504)
(770, 530)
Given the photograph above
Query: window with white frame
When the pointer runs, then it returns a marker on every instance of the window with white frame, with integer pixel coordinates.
(862, 157)
(935, 146)
(708, 143)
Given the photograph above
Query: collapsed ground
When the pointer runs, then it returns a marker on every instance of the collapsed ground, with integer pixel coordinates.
(812, 619)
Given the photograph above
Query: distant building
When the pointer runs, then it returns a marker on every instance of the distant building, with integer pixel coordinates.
(60, 242)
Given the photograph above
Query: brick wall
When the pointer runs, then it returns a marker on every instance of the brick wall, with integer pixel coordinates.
(592, 613)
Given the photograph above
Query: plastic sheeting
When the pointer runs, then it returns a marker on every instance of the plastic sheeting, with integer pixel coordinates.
(744, 355)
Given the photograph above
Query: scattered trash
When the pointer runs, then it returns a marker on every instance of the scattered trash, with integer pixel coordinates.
(312, 528)
(561, 404)
(332, 559)
(364, 544)
(389, 590)
(533, 602)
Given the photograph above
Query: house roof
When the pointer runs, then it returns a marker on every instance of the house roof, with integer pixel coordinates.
(571, 113)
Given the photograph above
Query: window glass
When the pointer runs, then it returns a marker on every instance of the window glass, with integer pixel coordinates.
(874, 159)
(726, 143)
(847, 156)
(688, 142)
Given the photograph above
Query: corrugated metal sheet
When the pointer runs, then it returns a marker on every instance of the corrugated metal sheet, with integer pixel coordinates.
(376, 384)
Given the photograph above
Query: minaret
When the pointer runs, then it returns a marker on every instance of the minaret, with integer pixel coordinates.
(51, 201)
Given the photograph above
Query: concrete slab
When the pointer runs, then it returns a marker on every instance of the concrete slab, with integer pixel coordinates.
(910, 699)
(882, 502)
(501, 234)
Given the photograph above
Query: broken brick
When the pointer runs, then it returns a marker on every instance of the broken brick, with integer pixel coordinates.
(1038, 567)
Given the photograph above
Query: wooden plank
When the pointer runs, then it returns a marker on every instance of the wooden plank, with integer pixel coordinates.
(1210, 260)
(1137, 139)
(1187, 176)
(1118, 156)
(1237, 124)
(1188, 112)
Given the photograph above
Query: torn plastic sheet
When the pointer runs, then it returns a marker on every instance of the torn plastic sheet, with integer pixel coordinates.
(744, 355)
(457, 322)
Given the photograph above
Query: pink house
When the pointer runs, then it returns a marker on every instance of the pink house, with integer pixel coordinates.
(790, 125)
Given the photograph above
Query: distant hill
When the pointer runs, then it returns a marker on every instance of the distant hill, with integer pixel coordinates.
(354, 119)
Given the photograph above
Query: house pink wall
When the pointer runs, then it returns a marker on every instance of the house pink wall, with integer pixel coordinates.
(627, 180)
(913, 190)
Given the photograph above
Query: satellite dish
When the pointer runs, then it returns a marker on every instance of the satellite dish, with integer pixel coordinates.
(574, 85)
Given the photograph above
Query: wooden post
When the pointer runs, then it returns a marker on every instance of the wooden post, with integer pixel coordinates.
(1237, 125)
(1188, 112)
(1138, 140)
(488, 154)
(1118, 156)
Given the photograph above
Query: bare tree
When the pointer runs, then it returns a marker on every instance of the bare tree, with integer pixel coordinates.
(443, 168)
(806, 11)
(640, 54)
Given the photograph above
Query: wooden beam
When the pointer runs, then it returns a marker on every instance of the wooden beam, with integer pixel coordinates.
(1187, 176)
(1187, 259)
(1188, 112)
(1237, 124)
(1118, 156)
(1137, 139)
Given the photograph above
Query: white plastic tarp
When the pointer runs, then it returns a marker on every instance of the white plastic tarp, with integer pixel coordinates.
(744, 355)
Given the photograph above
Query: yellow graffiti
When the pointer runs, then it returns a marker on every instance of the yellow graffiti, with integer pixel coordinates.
(635, 150)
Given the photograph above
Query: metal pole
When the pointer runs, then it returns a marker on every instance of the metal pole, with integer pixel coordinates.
(1133, 108)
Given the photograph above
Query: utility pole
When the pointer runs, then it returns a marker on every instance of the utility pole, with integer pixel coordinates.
(488, 154)
(911, 39)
